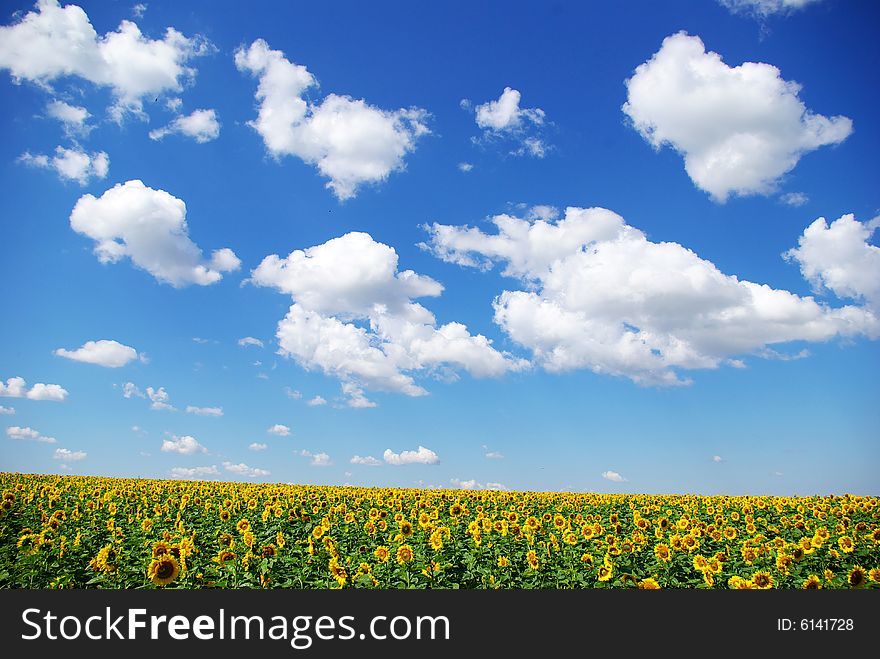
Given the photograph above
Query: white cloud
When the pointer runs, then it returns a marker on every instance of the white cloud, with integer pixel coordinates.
(473, 484)
(794, 199)
(349, 141)
(71, 164)
(185, 445)
(717, 458)
(292, 393)
(613, 476)
(257, 446)
(69, 456)
(194, 472)
(201, 125)
(765, 8)
(58, 42)
(159, 399)
(110, 354)
(279, 429)
(6, 410)
(241, 469)
(504, 118)
(841, 259)
(354, 317)
(316, 401)
(16, 432)
(317, 459)
(130, 390)
(148, 226)
(494, 455)
(367, 460)
(421, 455)
(465, 166)
(205, 411)
(72, 117)
(250, 341)
(139, 9)
(739, 128)
(17, 388)
(600, 295)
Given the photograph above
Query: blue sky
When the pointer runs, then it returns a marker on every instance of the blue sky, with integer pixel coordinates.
(610, 247)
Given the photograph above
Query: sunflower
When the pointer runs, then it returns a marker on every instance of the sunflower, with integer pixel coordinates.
(661, 551)
(503, 562)
(163, 570)
(382, 554)
(404, 554)
(406, 528)
(248, 539)
(858, 577)
(106, 559)
(436, 541)
(846, 544)
(874, 574)
(243, 525)
(268, 551)
(649, 584)
(224, 556)
(605, 572)
(317, 532)
(532, 560)
(160, 548)
(224, 515)
(762, 580)
(226, 540)
(812, 583)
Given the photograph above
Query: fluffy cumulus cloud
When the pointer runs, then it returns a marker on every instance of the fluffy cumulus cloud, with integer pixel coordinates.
(200, 125)
(66, 455)
(149, 227)
(72, 117)
(6, 410)
(279, 429)
(241, 469)
(317, 459)
(185, 445)
(739, 129)
(110, 354)
(421, 455)
(349, 141)
(257, 446)
(194, 472)
(354, 317)
(250, 341)
(56, 42)
(613, 476)
(597, 294)
(503, 118)
(473, 484)
(17, 388)
(16, 432)
(366, 460)
(839, 257)
(72, 164)
(204, 411)
(159, 399)
(765, 8)
(316, 401)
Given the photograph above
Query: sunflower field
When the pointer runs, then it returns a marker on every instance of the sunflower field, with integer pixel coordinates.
(85, 532)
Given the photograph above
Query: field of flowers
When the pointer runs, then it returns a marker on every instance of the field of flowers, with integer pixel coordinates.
(83, 532)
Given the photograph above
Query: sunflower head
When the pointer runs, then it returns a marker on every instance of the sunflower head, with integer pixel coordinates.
(163, 570)
(857, 578)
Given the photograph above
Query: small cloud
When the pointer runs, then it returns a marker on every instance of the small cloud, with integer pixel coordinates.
(777, 473)
(205, 411)
(250, 341)
(717, 458)
(17, 388)
(494, 455)
(159, 399)
(257, 446)
(109, 354)
(316, 401)
(69, 456)
(279, 429)
(421, 455)
(6, 410)
(186, 445)
(465, 166)
(367, 460)
(473, 484)
(201, 341)
(292, 393)
(194, 472)
(71, 164)
(138, 10)
(613, 476)
(241, 469)
(16, 432)
(201, 125)
(795, 199)
(317, 459)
